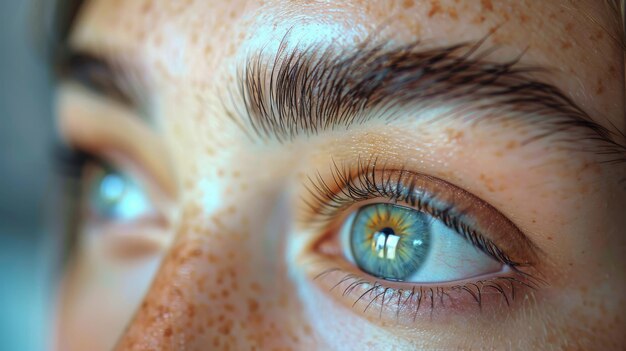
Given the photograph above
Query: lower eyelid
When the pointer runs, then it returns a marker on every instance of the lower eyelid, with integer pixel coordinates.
(129, 241)
(409, 303)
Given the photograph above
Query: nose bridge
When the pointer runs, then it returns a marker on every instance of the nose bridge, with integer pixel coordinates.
(223, 284)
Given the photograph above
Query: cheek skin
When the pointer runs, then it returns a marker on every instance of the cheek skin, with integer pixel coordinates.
(223, 284)
(210, 293)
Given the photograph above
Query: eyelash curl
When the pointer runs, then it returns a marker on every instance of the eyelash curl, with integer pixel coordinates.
(372, 180)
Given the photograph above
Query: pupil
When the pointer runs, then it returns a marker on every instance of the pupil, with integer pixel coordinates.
(387, 231)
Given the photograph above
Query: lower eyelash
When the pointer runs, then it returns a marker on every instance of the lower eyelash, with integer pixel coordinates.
(420, 297)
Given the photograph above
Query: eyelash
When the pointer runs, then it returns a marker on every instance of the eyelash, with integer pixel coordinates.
(368, 185)
(420, 295)
(372, 181)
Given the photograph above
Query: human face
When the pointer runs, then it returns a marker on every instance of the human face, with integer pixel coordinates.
(267, 161)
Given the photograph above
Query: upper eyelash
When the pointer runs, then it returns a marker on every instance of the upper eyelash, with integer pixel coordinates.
(365, 185)
(70, 162)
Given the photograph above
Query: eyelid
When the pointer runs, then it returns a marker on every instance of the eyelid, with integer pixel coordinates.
(346, 187)
(96, 75)
(335, 195)
(98, 126)
(135, 237)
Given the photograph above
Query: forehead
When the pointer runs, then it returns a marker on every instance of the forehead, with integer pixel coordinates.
(188, 43)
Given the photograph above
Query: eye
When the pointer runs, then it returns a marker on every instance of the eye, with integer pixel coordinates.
(115, 196)
(121, 217)
(405, 244)
(398, 243)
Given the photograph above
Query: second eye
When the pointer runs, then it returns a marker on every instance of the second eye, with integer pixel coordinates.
(399, 243)
(114, 196)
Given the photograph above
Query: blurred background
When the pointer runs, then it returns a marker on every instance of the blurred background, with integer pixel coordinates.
(26, 138)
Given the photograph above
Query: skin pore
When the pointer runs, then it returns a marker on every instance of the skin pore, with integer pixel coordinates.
(222, 259)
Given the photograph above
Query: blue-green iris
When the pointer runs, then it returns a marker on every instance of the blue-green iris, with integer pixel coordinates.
(390, 241)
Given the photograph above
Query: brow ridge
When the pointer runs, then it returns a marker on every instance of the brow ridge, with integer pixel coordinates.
(306, 91)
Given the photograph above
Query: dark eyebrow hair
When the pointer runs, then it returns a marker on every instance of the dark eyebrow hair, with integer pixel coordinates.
(306, 91)
(116, 79)
(97, 75)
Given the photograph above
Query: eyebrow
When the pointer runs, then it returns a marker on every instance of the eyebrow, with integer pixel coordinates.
(307, 91)
(100, 75)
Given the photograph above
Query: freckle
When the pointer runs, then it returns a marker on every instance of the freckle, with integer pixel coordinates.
(487, 5)
(253, 306)
(566, 45)
(167, 332)
(255, 287)
(231, 210)
(146, 7)
(220, 173)
(194, 38)
(599, 35)
(191, 311)
(453, 14)
(569, 26)
(226, 327)
(454, 134)
(511, 145)
(212, 258)
(407, 4)
(584, 189)
(479, 19)
(434, 9)
(523, 18)
(549, 238)
(307, 329)
(599, 87)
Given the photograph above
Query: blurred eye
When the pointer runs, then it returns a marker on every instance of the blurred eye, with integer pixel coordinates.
(114, 196)
(403, 244)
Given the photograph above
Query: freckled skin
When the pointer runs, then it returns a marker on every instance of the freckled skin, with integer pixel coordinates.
(226, 282)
